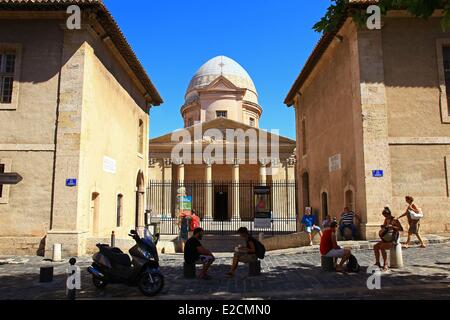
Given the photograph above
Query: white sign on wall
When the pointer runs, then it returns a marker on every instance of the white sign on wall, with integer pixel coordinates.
(335, 163)
(109, 165)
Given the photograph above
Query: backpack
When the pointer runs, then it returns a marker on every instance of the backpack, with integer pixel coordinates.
(259, 248)
(353, 265)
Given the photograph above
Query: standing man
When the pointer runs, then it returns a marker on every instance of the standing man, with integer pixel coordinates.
(195, 222)
(194, 253)
(310, 225)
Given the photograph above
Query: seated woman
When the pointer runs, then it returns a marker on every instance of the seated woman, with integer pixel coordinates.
(389, 234)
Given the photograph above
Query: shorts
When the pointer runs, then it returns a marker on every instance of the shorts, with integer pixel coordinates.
(335, 253)
(205, 259)
(245, 257)
(414, 228)
(311, 229)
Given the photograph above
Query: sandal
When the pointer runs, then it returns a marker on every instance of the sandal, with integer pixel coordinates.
(385, 268)
(230, 275)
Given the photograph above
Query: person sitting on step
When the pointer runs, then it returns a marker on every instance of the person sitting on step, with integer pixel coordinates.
(247, 254)
(329, 247)
(195, 253)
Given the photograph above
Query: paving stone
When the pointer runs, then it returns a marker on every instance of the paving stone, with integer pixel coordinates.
(286, 275)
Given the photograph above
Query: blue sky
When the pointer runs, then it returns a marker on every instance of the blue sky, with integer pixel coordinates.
(271, 39)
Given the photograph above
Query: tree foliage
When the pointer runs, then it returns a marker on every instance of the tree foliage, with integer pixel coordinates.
(418, 8)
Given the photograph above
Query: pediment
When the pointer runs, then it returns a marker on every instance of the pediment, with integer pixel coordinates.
(222, 83)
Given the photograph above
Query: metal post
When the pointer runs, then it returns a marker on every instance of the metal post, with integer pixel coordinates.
(113, 239)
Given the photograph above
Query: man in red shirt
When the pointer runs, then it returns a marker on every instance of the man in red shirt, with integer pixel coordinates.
(195, 221)
(330, 248)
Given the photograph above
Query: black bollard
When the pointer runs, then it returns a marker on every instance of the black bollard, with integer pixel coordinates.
(72, 293)
(113, 239)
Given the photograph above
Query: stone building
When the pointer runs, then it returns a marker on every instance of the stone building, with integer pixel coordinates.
(74, 121)
(222, 97)
(373, 121)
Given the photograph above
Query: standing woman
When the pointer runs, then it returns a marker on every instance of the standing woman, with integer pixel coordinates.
(414, 215)
(389, 234)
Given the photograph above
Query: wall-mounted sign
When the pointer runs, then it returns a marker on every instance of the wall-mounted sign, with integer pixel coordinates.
(71, 182)
(10, 178)
(378, 173)
(263, 211)
(335, 163)
(109, 165)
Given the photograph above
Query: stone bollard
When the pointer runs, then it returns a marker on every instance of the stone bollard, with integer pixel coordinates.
(57, 252)
(396, 257)
(46, 274)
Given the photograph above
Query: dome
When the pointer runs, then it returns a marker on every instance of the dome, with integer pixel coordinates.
(226, 67)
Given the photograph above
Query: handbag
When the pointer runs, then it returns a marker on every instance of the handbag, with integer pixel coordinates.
(416, 216)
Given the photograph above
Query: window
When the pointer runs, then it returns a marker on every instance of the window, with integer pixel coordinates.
(252, 122)
(119, 210)
(222, 114)
(2, 170)
(304, 138)
(324, 205)
(7, 69)
(446, 56)
(141, 137)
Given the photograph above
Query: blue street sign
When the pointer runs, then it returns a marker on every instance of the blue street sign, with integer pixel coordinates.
(71, 182)
(378, 173)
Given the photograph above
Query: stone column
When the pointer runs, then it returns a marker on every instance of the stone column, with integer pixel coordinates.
(181, 173)
(263, 172)
(208, 189)
(69, 222)
(290, 180)
(167, 189)
(373, 146)
(236, 203)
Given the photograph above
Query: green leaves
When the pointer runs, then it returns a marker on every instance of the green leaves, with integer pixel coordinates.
(339, 9)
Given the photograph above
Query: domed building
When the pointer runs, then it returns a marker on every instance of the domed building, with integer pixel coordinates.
(221, 88)
(220, 174)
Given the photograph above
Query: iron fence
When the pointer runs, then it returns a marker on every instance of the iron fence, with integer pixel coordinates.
(223, 206)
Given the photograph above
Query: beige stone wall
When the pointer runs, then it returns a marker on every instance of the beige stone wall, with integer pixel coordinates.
(99, 112)
(110, 124)
(27, 134)
(327, 104)
(418, 134)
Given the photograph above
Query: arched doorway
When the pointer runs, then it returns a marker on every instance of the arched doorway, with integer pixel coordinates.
(140, 193)
(305, 190)
(350, 200)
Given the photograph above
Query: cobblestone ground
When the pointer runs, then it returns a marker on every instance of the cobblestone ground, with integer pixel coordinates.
(285, 276)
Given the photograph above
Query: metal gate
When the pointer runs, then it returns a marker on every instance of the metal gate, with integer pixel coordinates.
(223, 206)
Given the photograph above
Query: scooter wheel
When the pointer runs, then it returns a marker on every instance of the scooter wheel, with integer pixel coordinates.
(148, 287)
(99, 283)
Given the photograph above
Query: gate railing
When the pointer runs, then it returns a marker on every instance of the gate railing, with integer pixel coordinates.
(224, 218)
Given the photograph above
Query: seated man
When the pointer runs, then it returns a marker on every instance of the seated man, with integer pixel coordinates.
(245, 254)
(194, 252)
(329, 247)
(348, 218)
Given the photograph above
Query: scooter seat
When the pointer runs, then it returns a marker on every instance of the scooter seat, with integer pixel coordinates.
(116, 256)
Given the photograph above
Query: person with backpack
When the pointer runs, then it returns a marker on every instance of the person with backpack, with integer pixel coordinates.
(389, 234)
(253, 251)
